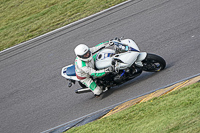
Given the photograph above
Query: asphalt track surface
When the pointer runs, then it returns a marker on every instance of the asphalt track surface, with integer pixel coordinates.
(33, 95)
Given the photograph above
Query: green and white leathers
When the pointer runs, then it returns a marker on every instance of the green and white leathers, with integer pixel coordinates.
(86, 69)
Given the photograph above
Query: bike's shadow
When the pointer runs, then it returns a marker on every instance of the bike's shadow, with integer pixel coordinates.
(144, 76)
(141, 78)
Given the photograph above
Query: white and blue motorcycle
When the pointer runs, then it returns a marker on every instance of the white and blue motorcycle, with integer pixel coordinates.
(128, 63)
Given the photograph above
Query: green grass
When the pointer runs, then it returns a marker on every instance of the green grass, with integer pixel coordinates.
(176, 112)
(21, 20)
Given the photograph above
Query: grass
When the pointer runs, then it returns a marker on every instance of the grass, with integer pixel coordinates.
(176, 112)
(21, 20)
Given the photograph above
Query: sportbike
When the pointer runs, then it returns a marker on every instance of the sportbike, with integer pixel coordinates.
(128, 63)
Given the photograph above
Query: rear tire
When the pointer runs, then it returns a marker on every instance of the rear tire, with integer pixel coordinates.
(153, 63)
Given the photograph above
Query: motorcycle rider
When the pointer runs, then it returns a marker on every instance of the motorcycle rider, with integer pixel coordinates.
(85, 67)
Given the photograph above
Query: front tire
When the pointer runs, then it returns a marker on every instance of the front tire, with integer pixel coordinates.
(153, 63)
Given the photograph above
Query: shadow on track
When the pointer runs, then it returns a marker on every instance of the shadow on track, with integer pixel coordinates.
(142, 78)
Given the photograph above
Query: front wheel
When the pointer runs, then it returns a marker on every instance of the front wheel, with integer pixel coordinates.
(153, 63)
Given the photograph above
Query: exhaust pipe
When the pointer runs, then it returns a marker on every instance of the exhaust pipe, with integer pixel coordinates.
(82, 90)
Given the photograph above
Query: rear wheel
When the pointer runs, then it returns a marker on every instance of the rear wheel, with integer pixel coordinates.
(153, 63)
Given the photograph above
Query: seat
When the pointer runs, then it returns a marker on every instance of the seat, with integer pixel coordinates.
(71, 71)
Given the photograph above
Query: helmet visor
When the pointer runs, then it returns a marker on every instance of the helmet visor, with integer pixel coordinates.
(86, 55)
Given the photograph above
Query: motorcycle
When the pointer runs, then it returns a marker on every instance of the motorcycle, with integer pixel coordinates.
(128, 63)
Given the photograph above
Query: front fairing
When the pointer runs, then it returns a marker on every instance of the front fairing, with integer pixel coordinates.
(130, 43)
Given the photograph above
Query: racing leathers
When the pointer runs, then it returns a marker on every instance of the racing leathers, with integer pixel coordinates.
(86, 69)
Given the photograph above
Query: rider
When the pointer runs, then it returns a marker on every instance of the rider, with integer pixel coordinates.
(85, 67)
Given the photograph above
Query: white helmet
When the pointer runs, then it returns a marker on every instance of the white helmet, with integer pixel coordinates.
(83, 52)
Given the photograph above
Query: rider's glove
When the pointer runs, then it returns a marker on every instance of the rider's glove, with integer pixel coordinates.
(109, 69)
